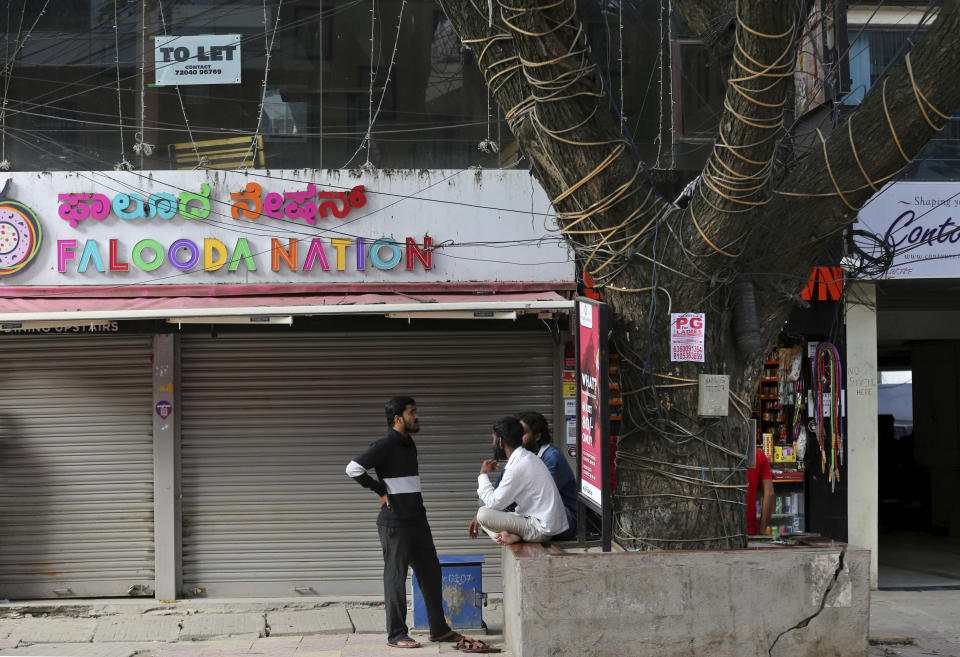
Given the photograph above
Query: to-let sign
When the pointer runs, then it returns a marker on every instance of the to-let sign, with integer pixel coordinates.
(687, 332)
(208, 59)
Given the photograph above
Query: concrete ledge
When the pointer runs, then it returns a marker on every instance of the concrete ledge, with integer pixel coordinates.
(791, 601)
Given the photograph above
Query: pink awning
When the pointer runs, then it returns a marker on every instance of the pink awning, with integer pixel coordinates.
(62, 308)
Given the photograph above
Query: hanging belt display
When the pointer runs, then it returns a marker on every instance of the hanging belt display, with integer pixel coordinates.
(827, 383)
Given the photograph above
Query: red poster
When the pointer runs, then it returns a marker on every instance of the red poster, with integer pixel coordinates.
(592, 394)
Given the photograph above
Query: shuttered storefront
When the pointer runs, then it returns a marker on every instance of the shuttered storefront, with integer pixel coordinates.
(76, 466)
(269, 423)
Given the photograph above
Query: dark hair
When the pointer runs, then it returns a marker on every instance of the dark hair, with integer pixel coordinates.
(508, 428)
(538, 425)
(397, 406)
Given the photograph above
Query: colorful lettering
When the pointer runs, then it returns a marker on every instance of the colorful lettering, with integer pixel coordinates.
(186, 198)
(277, 252)
(298, 205)
(395, 258)
(138, 250)
(273, 206)
(65, 251)
(314, 254)
(211, 246)
(248, 202)
(242, 250)
(361, 255)
(341, 246)
(116, 265)
(90, 252)
(413, 251)
(123, 201)
(162, 205)
(74, 208)
(188, 245)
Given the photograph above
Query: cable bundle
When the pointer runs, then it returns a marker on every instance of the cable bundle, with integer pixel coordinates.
(827, 368)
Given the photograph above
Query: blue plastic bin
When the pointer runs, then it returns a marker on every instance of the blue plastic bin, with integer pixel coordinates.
(463, 596)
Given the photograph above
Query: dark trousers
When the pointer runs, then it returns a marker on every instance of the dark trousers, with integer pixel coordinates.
(404, 547)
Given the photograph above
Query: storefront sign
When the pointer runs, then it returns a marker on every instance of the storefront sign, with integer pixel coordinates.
(207, 59)
(687, 331)
(919, 223)
(182, 227)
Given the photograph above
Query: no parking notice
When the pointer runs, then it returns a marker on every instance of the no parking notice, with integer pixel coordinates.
(206, 59)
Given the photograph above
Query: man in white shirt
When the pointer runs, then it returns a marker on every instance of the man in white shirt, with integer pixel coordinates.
(527, 482)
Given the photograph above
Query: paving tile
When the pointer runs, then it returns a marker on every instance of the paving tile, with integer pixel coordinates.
(237, 643)
(322, 642)
(54, 630)
(137, 628)
(367, 639)
(328, 620)
(8, 643)
(367, 620)
(79, 650)
(209, 626)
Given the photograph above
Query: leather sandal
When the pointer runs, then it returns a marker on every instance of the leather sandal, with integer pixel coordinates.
(466, 644)
(405, 642)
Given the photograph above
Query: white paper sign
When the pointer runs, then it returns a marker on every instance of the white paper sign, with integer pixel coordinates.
(687, 332)
(207, 59)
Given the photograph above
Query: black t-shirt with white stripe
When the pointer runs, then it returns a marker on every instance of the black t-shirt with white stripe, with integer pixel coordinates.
(394, 459)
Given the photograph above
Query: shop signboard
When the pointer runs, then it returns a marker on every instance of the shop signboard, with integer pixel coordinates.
(205, 59)
(253, 227)
(916, 223)
(593, 417)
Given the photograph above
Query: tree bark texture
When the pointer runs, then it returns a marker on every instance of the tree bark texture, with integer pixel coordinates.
(681, 477)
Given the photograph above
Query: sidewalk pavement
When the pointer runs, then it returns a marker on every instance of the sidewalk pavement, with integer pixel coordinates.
(212, 628)
(902, 624)
(915, 623)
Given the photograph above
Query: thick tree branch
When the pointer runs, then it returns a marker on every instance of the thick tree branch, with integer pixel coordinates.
(735, 178)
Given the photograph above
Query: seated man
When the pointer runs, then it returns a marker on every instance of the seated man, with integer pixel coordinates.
(527, 483)
(537, 439)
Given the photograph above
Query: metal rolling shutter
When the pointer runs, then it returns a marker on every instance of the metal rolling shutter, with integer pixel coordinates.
(270, 422)
(76, 466)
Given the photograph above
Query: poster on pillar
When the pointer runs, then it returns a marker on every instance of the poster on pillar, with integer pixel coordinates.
(206, 59)
(593, 392)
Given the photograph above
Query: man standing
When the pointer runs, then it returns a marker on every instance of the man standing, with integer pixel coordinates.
(757, 476)
(404, 532)
(528, 484)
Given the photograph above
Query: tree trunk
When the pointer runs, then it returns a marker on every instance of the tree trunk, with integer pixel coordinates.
(680, 477)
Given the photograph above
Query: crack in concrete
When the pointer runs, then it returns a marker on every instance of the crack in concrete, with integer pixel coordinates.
(823, 603)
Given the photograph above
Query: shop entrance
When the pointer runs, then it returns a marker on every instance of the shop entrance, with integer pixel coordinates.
(919, 437)
(270, 421)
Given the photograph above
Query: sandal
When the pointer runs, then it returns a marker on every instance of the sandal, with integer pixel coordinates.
(466, 644)
(449, 637)
(405, 642)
